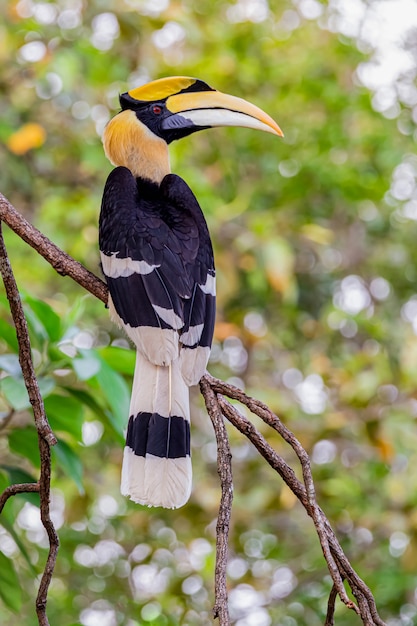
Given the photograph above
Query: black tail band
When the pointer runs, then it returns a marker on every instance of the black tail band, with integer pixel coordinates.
(164, 437)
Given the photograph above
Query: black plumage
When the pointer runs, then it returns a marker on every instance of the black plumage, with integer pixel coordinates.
(163, 226)
(149, 435)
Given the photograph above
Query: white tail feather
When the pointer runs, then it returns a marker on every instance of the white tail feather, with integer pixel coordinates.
(193, 363)
(151, 480)
(151, 389)
(133, 476)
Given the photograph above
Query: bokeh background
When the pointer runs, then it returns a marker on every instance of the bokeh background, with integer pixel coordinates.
(315, 243)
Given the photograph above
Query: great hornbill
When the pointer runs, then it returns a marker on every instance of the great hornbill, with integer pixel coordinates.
(157, 258)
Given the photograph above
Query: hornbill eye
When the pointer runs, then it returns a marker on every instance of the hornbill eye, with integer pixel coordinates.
(156, 109)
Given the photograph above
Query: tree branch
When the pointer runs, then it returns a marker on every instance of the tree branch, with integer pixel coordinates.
(60, 260)
(213, 391)
(330, 607)
(44, 493)
(46, 437)
(337, 562)
(13, 490)
(224, 469)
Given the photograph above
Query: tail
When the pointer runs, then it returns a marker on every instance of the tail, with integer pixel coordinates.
(156, 467)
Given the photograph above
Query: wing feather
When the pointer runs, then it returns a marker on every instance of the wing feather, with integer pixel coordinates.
(158, 262)
(200, 309)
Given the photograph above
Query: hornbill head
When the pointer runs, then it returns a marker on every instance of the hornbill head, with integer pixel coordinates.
(172, 108)
(175, 107)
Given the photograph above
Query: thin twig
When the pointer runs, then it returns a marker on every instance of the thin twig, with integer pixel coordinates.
(337, 561)
(7, 419)
(46, 437)
(264, 412)
(14, 490)
(224, 468)
(44, 492)
(331, 607)
(25, 355)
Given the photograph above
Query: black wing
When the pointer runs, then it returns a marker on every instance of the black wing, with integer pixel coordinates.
(156, 255)
(200, 308)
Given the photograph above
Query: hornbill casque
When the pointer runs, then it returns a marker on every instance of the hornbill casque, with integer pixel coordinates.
(157, 259)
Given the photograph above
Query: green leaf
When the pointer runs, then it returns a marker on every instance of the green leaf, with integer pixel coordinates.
(75, 313)
(120, 359)
(18, 475)
(24, 441)
(3, 481)
(14, 390)
(43, 323)
(8, 334)
(87, 399)
(117, 394)
(90, 366)
(65, 414)
(117, 423)
(105, 416)
(7, 523)
(37, 330)
(10, 364)
(87, 365)
(69, 462)
(10, 588)
(46, 317)
(46, 385)
(4, 303)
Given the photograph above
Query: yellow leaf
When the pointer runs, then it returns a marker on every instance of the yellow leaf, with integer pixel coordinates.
(287, 498)
(28, 136)
(317, 233)
(222, 330)
(386, 449)
(279, 266)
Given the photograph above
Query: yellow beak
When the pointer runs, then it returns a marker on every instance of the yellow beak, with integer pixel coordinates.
(214, 108)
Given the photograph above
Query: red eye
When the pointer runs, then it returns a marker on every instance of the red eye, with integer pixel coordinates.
(157, 109)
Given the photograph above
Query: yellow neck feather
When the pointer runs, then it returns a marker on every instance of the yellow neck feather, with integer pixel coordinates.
(130, 143)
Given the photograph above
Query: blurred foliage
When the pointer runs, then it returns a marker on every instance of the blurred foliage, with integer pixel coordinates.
(314, 239)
